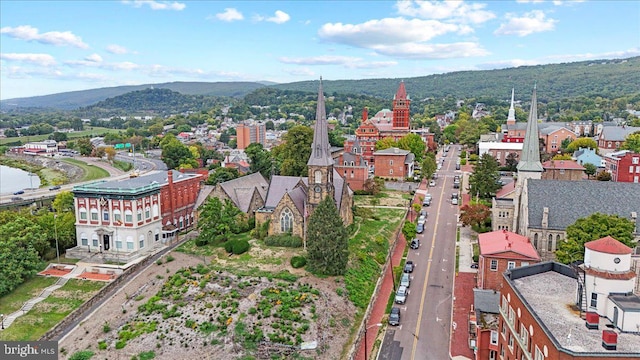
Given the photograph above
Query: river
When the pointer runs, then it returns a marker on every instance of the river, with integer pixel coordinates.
(12, 180)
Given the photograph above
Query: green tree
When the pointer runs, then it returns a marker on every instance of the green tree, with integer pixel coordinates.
(593, 227)
(603, 176)
(373, 186)
(63, 202)
(413, 143)
(632, 142)
(174, 152)
(589, 169)
(409, 230)
(218, 220)
(336, 138)
(58, 136)
(260, 159)
(483, 182)
(221, 175)
(584, 143)
(294, 152)
(11, 133)
(84, 146)
(386, 143)
(511, 162)
(327, 240)
(429, 165)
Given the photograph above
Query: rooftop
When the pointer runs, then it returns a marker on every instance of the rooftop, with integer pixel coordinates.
(608, 245)
(136, 184)
(562, 164)
(497, 242)
(549, 294)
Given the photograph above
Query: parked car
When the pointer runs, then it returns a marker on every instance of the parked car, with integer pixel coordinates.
(19, 192)
(405, 280)
(422, 220)
(415, 243)
(57, 187)
(427, 196)
(457, 166)
(401, 295)
(394, 316)
(456, 185)
(408, 266)
(454, 201)
(474, 265)
(432, 183)
(420, 228)
(423, 213)
(426, 202)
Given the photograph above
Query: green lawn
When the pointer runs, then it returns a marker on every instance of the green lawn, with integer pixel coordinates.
(52, 310)
(91, 131)
(90, 172)
(27, 290)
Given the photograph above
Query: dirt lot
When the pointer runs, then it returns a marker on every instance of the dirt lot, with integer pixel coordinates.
(204, 314)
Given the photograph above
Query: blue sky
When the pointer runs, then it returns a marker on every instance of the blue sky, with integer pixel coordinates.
(48, 47)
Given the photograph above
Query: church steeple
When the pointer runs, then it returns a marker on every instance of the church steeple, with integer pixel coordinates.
(401, 107)
(530, 158)
(320, 153)
(320, 162)
(511, 118)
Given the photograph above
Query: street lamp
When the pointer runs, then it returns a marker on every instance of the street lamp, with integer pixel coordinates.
(365, 338)
(2, 320)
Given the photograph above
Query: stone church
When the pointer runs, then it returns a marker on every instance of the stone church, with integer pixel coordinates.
(290, 200)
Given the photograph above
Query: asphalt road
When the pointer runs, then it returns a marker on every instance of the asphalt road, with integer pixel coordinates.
(426, 317)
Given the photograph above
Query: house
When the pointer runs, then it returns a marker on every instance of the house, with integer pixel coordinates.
(588, 156)
(624, 166)
(483, 323)
(562, 170)
(501, 251)
(541, 314)
(394, 163)
(247, 193)
(353, 167)
(290, 200)
(124, 219)
(500, 150)
(612, 137)
(553, 136)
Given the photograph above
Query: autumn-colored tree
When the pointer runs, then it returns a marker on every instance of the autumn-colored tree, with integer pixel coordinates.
(582, 143)
(110, 152)
(475, 215)
(603, 176)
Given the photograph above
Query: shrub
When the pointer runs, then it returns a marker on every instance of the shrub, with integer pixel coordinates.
(201, 241)
(298, 261)
(463, 161)
(261, 231)
(102, 345)
(147, 355)
(170, 258)
(284, 240)
(237, 247)
(82, 355)
(106, 328)
(120, 344)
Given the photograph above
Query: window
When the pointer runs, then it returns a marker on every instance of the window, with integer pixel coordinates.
(635, 160)
(83, 237)
(561, 171)
(139, 213)
(156, 210)
(594, 300)
(286, 221)
(511, 265)
(147, 212)
(317, 176)
(524, 263)
(83, 214)
(504, 330)
(524, 335)
(129, 243)
(494, 265)
(502, 351)
(157, 234)
(141, 241)
(631, 169)
(118, 243)
(550, 243)
(390, 171)
(511, 342)
(535, 240)
(352, 174)
(94, 214)
(391, 162)
(105, 215)
(352, 163)
(94, 240)
(505, 304)
(538, 355)
(128, 216)
(512, 316)
(493, 355)
(117, 217)
(494, 337)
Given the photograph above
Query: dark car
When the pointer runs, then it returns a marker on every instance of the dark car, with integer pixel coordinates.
(16, 198)
(57, 187)
(408, 266)
(474, 265)
(415, 243)
(420, 228)
(423, 213)
(394, 316)
(19, 192)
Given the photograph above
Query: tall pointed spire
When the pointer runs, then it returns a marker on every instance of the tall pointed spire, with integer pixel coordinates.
(511, 118)
(530, 158)
(320, 153)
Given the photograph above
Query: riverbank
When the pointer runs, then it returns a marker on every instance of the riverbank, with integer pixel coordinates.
(50, 171)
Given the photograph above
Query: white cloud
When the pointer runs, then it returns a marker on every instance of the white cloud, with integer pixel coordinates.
(58, 38)
(372, 65)
(554, 2)
(458, 11)
(156, 5)
(305, 72)
(348, 62)
(37, 59)
(229, 15)
(94, 58)
(280, 17)
(386, 31)
(433, 51)
(531, 22)
(117, 49)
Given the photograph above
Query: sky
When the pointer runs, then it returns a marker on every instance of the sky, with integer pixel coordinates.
(49, 47)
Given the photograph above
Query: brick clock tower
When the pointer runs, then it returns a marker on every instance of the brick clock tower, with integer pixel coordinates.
(320, 162)
(401, 104)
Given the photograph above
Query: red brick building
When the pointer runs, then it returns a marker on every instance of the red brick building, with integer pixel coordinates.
(394, 163)
(353, 167)
(501, 251)
(553, 136)
(538, 322)
(624, 166)
(562, 170)
(249, 134)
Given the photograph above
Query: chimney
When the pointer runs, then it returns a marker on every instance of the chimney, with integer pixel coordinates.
(609, 339)
(593, 320)
(545, 217)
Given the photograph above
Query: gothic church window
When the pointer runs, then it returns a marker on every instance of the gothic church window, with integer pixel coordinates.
(318, 176)
(550, 243)
(286, 221)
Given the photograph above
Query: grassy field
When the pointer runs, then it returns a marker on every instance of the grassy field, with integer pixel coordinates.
(92, 132)
(90, 172)
(27, 290)
(51, 311)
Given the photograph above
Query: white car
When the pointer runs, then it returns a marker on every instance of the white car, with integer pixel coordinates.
(432, 183)
(454, 201)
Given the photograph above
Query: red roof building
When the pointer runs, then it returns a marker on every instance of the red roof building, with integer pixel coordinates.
(501, 251)
(608, 245)
(562, 170)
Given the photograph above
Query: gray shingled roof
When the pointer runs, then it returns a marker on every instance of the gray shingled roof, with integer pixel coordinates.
(204, 195)
(279, 186)
(487, 301)
(530, 156)
(356, 158)
(569, 201)
(241, 190)
(617, 133)
(517, 126)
